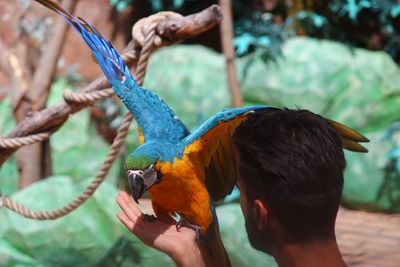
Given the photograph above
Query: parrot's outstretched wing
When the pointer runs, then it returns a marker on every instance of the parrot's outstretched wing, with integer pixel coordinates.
(210, 148)
(155, 119)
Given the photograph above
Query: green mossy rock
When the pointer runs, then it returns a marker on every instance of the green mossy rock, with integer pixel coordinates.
(372, 181)
(354, 86)
(90, 236)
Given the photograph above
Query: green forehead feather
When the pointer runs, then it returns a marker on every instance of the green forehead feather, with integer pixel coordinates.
(138, 162)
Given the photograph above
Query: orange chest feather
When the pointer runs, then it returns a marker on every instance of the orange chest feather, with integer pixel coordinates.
(182, 190)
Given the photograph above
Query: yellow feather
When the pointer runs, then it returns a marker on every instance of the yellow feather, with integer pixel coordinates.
(353, 146)
(182, 191)
(347, 132)
(94, 59)
(141, 137)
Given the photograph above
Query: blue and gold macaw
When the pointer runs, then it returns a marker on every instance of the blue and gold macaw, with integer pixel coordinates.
(183, 172)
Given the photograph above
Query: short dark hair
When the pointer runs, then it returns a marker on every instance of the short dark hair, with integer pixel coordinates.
(293, 159)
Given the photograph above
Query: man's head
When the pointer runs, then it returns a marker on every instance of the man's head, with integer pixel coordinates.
(291, 167)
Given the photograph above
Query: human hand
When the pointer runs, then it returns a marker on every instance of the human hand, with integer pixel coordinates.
(181, 245)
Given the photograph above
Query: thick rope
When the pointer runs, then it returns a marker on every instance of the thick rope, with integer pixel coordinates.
(85, 97)
(112, 154)
(23, 141)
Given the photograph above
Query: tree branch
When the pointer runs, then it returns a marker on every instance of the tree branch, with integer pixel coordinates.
(190, 26)
(34, 161)
(227, 48)
(47, 65)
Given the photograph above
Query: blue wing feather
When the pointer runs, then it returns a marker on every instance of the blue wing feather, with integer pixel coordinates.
(154, 117)
(222, 116)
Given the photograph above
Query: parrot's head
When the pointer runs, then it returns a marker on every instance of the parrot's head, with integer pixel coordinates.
(142, 174)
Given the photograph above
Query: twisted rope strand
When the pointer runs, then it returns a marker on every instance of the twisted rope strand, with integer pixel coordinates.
(23, 141)
(84, 97)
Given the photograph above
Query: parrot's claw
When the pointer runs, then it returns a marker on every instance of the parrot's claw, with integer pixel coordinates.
(183, 222)
(149, 218)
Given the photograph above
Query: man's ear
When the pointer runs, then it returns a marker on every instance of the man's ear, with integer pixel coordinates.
(260, 212)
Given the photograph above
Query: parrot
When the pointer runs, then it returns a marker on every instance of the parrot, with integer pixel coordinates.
(184, 173)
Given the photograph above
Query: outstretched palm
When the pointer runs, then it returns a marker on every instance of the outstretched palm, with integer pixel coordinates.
(161, 233)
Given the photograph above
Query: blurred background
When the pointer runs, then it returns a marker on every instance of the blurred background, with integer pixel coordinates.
(338, 58)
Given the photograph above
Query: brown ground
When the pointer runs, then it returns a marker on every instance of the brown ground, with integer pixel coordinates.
(369, 239)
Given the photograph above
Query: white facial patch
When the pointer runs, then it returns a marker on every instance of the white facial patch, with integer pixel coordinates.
(149, 176)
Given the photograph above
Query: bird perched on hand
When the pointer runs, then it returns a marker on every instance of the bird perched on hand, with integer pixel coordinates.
(183, 172)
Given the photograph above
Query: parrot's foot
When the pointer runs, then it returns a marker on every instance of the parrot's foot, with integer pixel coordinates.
(183, 222)
(148, 217)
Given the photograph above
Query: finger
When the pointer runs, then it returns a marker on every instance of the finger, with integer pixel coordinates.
(125, 220)
(126, 208)
(130, 203)
(124, 195)
(135, 227)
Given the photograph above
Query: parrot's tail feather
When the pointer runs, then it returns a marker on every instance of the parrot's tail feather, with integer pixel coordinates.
(348, 133)
(214, 242)
(218, 252)
(353, 146)
(104, 53)
(61, 11)
(350, 137)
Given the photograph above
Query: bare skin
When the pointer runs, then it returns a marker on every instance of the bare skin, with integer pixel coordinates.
(162, 235)
(267, 234)
(315, 254)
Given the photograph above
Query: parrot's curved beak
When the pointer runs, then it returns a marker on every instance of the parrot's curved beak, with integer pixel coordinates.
(142, 180)
(137, 186)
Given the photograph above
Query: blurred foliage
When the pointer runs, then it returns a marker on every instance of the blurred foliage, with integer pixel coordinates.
(258, 31)
(156, 5)
(371, 24)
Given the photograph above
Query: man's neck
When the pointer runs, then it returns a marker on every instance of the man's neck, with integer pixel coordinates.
(313, 254)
